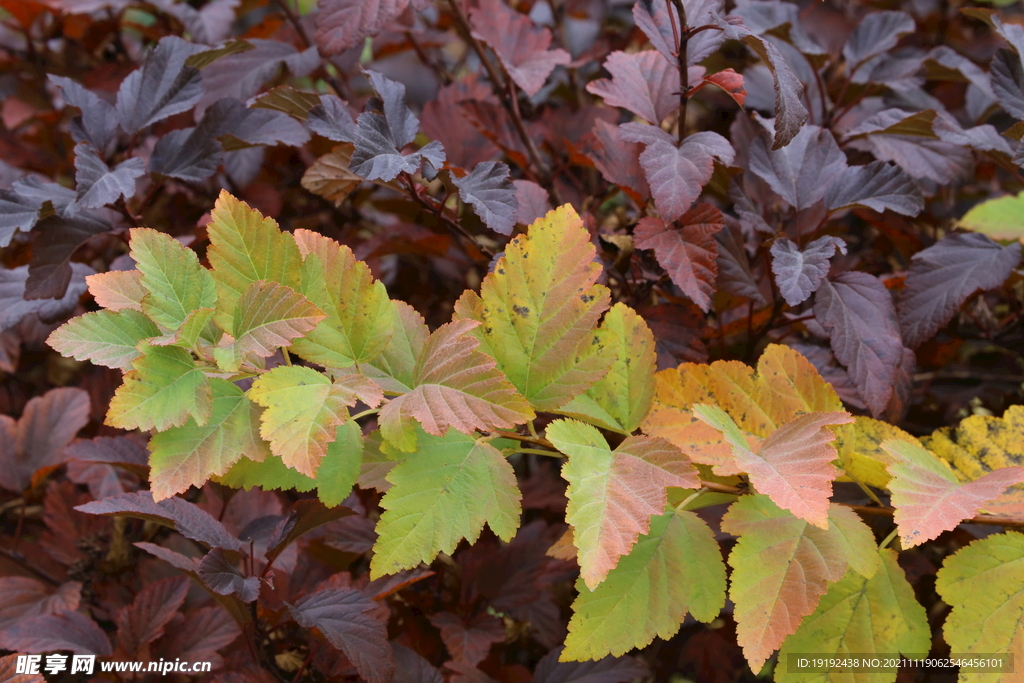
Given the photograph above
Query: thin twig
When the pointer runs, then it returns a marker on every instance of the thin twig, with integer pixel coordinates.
(438, 210)
(684, 72)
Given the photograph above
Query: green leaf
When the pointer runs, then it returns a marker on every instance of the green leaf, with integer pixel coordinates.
(456, 386)
(674, 569)
(198, 326)
(614, 494)
(782, 566)
(117, 290)
(360, 316)
(304, 409)
(1001, 218)
(269, 315)
(104, 337)
(627, 390)
(394, 368)
(164, 388)
(338, 473)
(171, 273)
(539, 308)
(983, 582)
(444, 492)
(244, 248)
(189, 455)
(859, 616)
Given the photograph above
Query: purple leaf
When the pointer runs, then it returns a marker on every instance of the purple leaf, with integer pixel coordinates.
(162, 87)
(617, 160)
(641, 82)
(153, 607)
(802, 171)
(858, 312)
(16, 213)
(688, 253)
(799, 273)
(119, 450)
(54, 240)
(223, 578)
(332, 119)
(734, 273)
(876, 33)
(790, 113)
(65, 630)
(607, 670)
(25, 597)
(241, 75)
(410, 667)
(98, 122)
(652, 16)
(762, 16)
(13, 306)
(944, 275)
(533, 201)
(340, 614)
(403, 123)
(878, 186)
(491, 194)
(1007, 75)
(48, 423)
(188, 519)
(98, 184)
(343, 24)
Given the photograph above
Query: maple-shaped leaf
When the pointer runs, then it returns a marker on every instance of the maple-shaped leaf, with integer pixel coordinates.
(48, 423)
(196, 330)
(676, 174)
(802, 171)
(786, 384)
(384, 129)
(343, 616)
(163, 86)
(641, 82)
(790, 112)
(163, 389)
(154, 606)
(443, 492)
(190, 454)
(200, 633)
(674, 569)
(793, 466)
(337, 473)
(171, 275)
(539, 307)
(332, 119)
(188, 519)
(687, 252)
(1007, 78)
(928, 497)
(799, 272)
(64, 630)
(303, 410)
(17, 212)
(104, 337)
(455, 386)
(614, 494)
(492, 195)
(943, 276)
(469, 643)
(98, 121)
(981, 582)
(98, 184)
(878, 186)
(781, 566)
(246, 247)
(360, 316)
(617, 160)
(117, 290)
(394, 367)
(269, 315)
(191, 154)
(858, 312)
(860, 616)
(620, 400)
(521, 47)
(342, 24)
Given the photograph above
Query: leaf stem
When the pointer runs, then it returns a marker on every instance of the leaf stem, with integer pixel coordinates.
(682, 506)
(365, 413)
(537, 451)
(888, 539)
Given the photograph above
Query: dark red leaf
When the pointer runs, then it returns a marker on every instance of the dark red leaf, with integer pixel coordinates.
(469, 643)
(153, 607)
(64, 630)
(411, 667)
(607, 670)
(617, 160)
(24, 597)
(342, 24)
(9, 672)
(222, 577)
(641, 82)
(688, 252)
(198, 635)
(444, 120)
(38, 439)
(340, 615)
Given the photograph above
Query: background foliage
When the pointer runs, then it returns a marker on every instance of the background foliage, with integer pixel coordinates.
(811, 175)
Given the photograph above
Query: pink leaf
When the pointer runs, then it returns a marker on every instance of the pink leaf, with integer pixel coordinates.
(689, 253)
